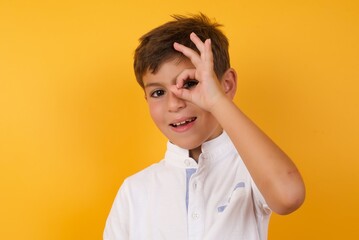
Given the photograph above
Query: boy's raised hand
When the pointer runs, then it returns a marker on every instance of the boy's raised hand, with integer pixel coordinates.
(208, 89)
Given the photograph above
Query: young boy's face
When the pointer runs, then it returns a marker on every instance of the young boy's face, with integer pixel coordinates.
(182, 122)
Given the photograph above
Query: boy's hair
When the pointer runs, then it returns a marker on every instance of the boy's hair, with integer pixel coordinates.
(156, 47)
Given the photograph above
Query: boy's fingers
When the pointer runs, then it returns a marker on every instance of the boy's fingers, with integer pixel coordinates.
(185, 75)
(181, 93)
(208, 54)
(197, 41)
(208, 49)
(188, 52)
(205, 47)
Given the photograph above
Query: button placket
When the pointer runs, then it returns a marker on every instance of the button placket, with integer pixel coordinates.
(195, 210)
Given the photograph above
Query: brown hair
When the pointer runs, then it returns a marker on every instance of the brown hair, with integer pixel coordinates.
(156, 46)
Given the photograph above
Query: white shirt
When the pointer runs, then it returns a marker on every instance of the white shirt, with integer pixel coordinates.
(180, 199)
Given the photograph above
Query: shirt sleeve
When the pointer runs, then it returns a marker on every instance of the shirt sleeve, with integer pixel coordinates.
(117, 222)
(261, 206)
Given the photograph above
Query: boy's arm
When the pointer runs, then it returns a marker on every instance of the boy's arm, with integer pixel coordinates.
(272, 170)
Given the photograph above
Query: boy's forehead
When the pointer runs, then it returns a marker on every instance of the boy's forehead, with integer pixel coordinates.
(167, 71)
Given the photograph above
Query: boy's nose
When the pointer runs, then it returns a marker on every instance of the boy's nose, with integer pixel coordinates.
(175, 103)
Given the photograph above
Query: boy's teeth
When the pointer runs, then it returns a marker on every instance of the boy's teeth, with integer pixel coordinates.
(183, 122)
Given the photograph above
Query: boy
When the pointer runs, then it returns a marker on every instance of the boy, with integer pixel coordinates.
(221, 177)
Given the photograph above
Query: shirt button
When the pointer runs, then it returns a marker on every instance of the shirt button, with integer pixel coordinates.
(187, 162)
(195, 185)
(195, 215)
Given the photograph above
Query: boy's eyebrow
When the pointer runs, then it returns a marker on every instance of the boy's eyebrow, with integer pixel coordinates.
(156, 84)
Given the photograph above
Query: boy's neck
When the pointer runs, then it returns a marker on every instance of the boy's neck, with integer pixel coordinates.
(194, 153)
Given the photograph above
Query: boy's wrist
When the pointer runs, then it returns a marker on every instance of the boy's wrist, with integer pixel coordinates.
(219, 104)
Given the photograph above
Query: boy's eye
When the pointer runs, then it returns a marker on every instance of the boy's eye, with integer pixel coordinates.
(190, 83)
(157, 93)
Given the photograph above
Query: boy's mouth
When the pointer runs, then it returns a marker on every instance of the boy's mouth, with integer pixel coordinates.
(182, 123)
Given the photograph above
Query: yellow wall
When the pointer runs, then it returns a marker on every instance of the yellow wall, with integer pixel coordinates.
(74, 124)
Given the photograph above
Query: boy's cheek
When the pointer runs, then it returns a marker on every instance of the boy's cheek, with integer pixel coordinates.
(155, 111)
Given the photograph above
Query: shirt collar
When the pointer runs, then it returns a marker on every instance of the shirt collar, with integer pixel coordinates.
(213, 150)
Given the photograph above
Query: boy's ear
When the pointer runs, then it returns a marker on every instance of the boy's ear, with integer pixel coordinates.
(229, 82)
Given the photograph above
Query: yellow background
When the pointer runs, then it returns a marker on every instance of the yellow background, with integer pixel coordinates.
(74, 123)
